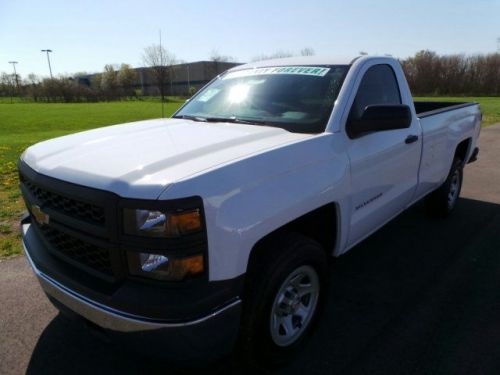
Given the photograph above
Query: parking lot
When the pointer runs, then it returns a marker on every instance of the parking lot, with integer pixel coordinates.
(420, 296)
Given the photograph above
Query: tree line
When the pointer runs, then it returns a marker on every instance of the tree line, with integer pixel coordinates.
(428, 74)
(115, 82)
(453, 75)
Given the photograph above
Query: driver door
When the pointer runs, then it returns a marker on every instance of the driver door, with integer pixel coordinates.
(384, 165)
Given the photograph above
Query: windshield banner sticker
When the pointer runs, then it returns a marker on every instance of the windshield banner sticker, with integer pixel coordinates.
(315, 71)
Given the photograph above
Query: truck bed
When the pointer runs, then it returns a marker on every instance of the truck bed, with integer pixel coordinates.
(425, 109)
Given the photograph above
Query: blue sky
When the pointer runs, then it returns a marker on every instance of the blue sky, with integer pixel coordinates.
(86, 35)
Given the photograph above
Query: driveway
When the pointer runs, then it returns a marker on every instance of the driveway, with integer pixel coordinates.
(420, 296)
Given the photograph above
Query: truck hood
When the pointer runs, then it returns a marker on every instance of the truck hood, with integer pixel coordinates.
(141, 159)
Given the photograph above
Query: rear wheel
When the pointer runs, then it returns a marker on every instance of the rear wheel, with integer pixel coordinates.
(442, 201)
(284, 291)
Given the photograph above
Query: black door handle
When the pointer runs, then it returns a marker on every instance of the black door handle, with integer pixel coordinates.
(411, 139)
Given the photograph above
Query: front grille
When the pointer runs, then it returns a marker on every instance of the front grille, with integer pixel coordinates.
(83, 228)
(71, 207)
(87, 254)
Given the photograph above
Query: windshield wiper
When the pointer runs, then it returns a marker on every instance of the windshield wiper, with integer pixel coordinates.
(194, 118)
(237, 120)
(232, 119)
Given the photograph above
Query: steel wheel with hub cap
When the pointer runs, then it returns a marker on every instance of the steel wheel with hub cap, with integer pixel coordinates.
(441, 202)
(294, 305)
(454, 189)
(286, 282)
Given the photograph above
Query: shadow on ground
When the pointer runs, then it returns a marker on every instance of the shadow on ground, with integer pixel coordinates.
(419, 296)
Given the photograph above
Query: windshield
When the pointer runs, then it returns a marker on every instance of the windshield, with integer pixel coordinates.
(295, 98)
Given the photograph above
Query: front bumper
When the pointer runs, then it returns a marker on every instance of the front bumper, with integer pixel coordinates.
(208, 337)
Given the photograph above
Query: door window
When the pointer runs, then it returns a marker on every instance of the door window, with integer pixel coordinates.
(378, 86)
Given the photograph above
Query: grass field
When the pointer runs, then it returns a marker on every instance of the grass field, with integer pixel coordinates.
(22, 124)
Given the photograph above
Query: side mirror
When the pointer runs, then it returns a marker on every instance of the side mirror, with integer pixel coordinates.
(379, 118)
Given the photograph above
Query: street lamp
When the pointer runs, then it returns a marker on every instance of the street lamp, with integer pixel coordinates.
(48, 60)
(15, 73)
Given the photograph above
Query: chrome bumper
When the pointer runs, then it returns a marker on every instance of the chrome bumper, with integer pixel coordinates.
(105, 316)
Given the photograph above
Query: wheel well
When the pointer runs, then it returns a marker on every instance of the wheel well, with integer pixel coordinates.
(319, 225)
(461, 150)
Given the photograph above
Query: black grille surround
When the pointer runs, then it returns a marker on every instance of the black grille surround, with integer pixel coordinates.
(92, 239)
(82, 228)
(90, 255)
(78, 209)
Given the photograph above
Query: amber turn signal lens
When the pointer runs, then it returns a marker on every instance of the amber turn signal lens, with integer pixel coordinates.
(153, 223)
(162, 267)
(191, 266)
(183, 223)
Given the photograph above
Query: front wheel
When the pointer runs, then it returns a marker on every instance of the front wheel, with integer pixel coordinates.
(285, 287)
(442, 201)
(294, 306)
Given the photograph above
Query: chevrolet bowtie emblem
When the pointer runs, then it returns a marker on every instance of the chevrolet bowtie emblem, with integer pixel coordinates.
(41, 217)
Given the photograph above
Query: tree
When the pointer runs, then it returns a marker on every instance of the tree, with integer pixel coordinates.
(95, 81)
(276, 55)
(307, 51)
(160, 61)
(126, 78)
(7, 84)
(109, 82)
(32, 83)
(215, 56)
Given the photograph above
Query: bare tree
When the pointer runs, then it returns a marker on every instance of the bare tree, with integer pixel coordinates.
(307, 51)
(160, 61)
(32, 82)
(6, 84)
(215, 56)
(33, 79)
(280, 54)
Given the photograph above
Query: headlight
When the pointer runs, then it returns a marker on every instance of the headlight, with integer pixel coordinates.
(161, 267)
(161, 224)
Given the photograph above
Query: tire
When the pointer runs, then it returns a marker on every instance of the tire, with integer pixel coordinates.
(285, 287)
(441, 202)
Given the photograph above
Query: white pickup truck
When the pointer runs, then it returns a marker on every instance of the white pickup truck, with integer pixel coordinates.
(213, 229)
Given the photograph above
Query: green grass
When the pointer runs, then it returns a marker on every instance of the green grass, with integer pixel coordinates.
(23, 124)
(490, 106)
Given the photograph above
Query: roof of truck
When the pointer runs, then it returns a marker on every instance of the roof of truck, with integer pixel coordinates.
(301, 60)
(306, 60)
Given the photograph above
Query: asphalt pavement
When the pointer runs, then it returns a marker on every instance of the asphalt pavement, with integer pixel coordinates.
(420, 296)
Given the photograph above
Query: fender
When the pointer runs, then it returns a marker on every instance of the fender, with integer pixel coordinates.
(248, 199)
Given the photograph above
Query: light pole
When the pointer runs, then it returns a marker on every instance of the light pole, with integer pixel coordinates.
(15, 73)
(48, 60)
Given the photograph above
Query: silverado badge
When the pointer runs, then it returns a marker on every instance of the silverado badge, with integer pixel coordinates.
(41, 217)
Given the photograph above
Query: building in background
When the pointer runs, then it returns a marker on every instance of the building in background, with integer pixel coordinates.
(185, 79)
